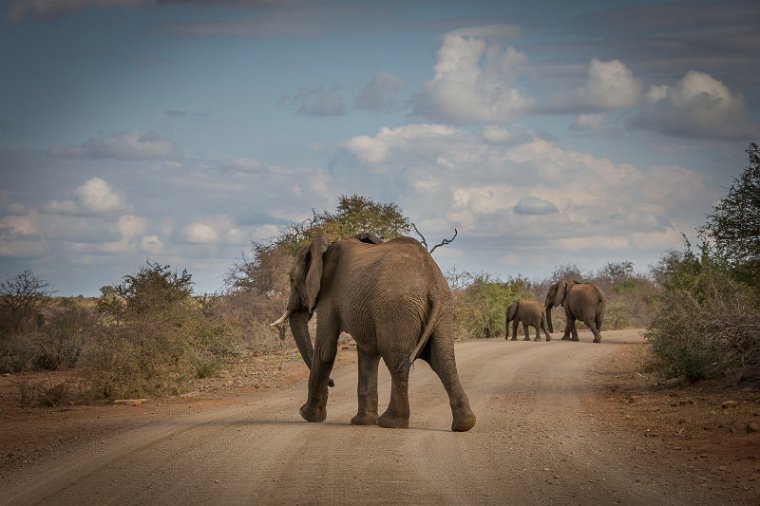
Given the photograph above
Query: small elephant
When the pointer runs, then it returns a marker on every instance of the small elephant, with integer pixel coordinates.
(529, 312)
(582, 301)
(393, 300)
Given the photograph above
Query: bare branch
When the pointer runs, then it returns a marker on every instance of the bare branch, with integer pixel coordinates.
(444, 242)
(423, 241)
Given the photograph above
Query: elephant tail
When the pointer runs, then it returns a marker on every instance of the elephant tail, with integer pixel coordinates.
(432, 321)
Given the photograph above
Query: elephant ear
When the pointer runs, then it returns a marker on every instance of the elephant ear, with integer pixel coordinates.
(313, 268)
(559, 298)
(369, 238)
(511, 311)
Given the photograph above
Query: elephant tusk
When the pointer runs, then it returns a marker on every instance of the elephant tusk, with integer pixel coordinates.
(280, 320)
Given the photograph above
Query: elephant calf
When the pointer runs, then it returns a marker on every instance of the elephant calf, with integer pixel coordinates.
(393, 300)
(529, 312)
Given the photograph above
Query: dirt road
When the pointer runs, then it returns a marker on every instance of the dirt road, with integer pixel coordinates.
(534, 443)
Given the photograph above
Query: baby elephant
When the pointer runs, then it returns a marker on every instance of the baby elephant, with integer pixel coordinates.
(529, 312)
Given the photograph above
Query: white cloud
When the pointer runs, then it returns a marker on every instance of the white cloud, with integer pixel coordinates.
(697, 106)
(535, 206)
(215, 230)
(134, 145)
(97, 196)
(611, 85)
(130, 226)
(474, 79)
(380, 93)
(20, 236)
(589, 122)
(152, 244)
(375, 149)
(522, 195)
(246, 165)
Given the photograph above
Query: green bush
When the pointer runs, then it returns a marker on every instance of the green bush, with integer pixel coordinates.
(480, 304)
(706, 325)
(156, 337)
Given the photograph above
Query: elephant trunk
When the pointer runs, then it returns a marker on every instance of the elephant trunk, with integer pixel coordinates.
(299, 326)
(549, 318)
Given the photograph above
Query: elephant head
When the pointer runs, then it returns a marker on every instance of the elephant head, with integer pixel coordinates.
(511, 311)
(555, 297)
(305, 280)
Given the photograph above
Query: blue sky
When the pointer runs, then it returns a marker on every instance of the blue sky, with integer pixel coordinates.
(546, 132)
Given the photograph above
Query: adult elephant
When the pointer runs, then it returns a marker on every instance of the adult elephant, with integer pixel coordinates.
(393, 300)
(529, 312)
(582, 301)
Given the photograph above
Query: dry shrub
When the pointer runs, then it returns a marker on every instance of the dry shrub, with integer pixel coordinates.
(156, 352)
(706, 325)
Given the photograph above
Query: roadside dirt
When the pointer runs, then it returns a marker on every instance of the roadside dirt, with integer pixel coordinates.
(558, 422)
(711, 428)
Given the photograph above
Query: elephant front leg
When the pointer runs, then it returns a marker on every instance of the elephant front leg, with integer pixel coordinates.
(325, 349)
(568, 329)
(367, 389)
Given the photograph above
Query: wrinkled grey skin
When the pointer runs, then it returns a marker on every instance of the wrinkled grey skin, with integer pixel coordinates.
(529, 312)
(582, 301)
(393, 300)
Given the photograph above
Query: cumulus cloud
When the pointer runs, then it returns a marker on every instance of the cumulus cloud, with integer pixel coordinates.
(134, 145)
(380, 93)
(317, 101)
(589, 122)
(97, 196)
(246, 166)
(20, 236)
(697, 106)
(374, 149)
(611, 85)
(608, 86)
(215, 230)
(152, 244)
(474, 78)
(522, 194)
(534, 205)
(94, 196)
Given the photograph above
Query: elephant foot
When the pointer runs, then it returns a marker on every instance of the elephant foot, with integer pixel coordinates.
(537, 338)
(311, 414)
(548, 339)
(526, 339)
(565, 338)
(463, 423)
(364, 418)
(514, 339)
(575, 338)
(597, 339)
(390, 421)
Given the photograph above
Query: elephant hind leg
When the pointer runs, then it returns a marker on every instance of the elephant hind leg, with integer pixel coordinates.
(527, 332)
(444, 365)
(591, 324)
(366, 391)
(397, 414)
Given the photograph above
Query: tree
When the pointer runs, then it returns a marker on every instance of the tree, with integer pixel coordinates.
(355, 214)
(617, 272)
(735, 225)
(21, 298)
(155, 285)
